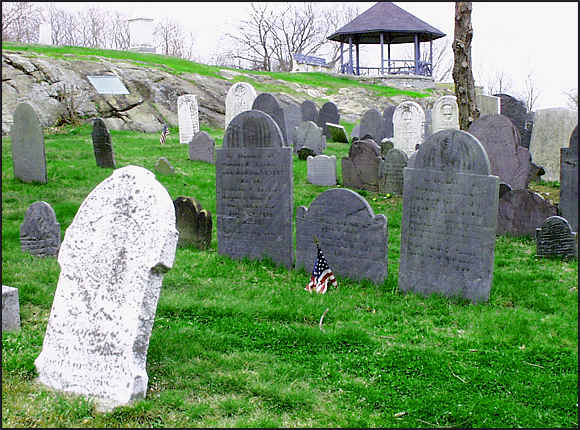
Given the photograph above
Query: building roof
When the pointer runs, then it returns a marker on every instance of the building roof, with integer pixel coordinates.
(398, 25)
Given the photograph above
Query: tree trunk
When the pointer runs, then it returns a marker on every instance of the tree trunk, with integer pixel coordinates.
(462, 73)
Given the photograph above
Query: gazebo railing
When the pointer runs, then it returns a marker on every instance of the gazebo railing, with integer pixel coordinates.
(395, 67)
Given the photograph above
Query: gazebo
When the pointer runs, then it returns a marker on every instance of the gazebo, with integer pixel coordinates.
(387, 23)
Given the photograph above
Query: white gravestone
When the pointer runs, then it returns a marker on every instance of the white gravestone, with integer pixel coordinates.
(188, 117)
(321, 170)
(408, 122)
(113, 257)
(445, 114)
(239, 98)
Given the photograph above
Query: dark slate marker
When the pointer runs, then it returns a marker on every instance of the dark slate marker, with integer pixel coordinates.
(372, 124)
(28, 153)
(102, 144)
(391, 172)
(328, 113)
(517, 112)
(555, 238)
(569, 181)
(193, 223)
(267, 103)
(202, 148)
(40, 231)
(309, 111)
(360, 169)
(520, 212)
(293, 117)
(388, 113)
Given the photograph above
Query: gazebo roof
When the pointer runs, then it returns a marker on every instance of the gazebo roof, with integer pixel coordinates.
(398, 25)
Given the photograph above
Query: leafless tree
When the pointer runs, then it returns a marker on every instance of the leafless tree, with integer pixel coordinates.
(119, 33)
(531, 92)
(499, 83)
(572, 98)
(21, 21)
(171, 39)
(92, 27)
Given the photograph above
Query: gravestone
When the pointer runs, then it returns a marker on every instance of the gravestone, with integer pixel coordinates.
(188, 117)
(508, 159)
(552, 130)
(555, 238)
(520, 212)
(193, 223)
(202, 148)
(328, 113)
(304, 153)
(569, 181)
(267, 103)
(28, 153)
(445, 114)
(293, 116)
(40, 231)
(254, 186)
(164, 167)
(386, 145)
(239, 98)
(355, 134)
(427, 124)
(309, 135)
(113, 257)
(517, 112)
(388, 113)
(361, 169)
(10, 309)
(391, 172)
(488, 105)
(449, 219)
(102, 144)
(353, 239)
(411, 161)
(309, 111)
(337, 133)
(321, 170)
(372, 123)
(408, 122)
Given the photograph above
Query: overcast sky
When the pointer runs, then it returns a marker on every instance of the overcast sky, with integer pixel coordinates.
(517, 38)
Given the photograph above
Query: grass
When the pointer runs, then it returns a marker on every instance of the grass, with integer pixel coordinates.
(238, 343)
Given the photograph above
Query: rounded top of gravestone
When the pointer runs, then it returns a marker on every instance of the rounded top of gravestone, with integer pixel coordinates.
(40, 208)
(557, 223)
(253, 129)
(487, 125)
(406, 109)
(266, 102)
(202, 137)
(349, 202)
(26, 116)
(99, 127)
(364, 146)
(241, 89)
(329, 107)
(573, 146)
(396, 155)
(455, 151)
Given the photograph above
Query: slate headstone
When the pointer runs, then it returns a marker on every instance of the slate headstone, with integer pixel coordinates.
(360, 169)
(388, 113)
(520, 212)
(517, 112)
(309, 135)
(328, 113)
(254, 190)
(193, 223)
(309, 111)
(267, 103)
(386, 145)
(239, 98)
(40, 231)
(202, 148)
(391, 172)
(449, 219)
(337, 133)
(188, 117)
(445, 114)
(408, 129)
(10, 309)
(569, 181)
(321, 170)
(102, 144)
(372, 123)
(28, 153)
(113, 257)
(164, 167)
(355, 134)
(555, 238)
(293, 117)
(353, 239)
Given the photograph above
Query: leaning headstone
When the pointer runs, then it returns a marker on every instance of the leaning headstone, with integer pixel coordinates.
(488, 105)
(164, 167)
(40, 231)
(408, 122)
(361, 169)
(388, 113)
(309, 135)
(309, 111)
(193, 223)
(353, 239)
(254, 191)
(555, 238)
(28, 153)
(569, 181)
(239, 98)
(337, 133)
(328, 113)
(113, 257)
(445, 114)
(188, 117)
(293, 117)
(552, 130)
(10, 309)
(520, 212)
(267, 103)
(517, 112)
(372, 123)
(449, 219)
(391, 172)
(102, 144)
(202, 148)
(321, 170)
(508, 159)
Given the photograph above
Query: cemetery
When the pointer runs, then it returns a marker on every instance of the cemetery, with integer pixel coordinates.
(163, 285)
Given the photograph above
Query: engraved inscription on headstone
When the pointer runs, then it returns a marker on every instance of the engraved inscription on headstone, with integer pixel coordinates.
(555, 238)
(408, 122)
(28, 156)
(239, 98)
(321, 170)
(193, 223)
(10, 309)
(202, 148)
(445, 114)
(309, 111)
(188, 117)
(361, 169)
(40, 231)
(391, 172)
(569, 181)
(102, 144)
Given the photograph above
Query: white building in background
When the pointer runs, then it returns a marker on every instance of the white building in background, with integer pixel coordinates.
(45, 34)
(141, 35)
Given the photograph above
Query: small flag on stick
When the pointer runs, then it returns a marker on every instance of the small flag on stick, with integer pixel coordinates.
(322, 275)
(164, 134)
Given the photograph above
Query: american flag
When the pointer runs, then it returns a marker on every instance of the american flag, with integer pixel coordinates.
(322, 276)
(164, 134)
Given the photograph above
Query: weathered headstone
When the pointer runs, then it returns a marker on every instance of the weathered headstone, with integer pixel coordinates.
(193, 223)
(10, 309)
(188, 117)
(449, 219)
(309, 111)
(353, 239)
(102, 144)
(164, 167)
(386, 145)
(555, 238)
(520, 212)
(321, 170)
(488, 105)
(267, 103)
(372, 123)
(445, 114)
(517, 112)
(113, 257)
(427, 124)
(254, 190)
(408, 122)
(508, 159)
(28, 153)
(361, 169)
(293, 117)
(328, 113)
(388, 113)
(202, 148)
(569, 181)
(239, 98)
(309, 135)
(552, 130)
(391, 172)
(40, 231)
(337, 133)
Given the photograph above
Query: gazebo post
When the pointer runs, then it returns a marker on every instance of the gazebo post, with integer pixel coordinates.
(417, 53)
(431, 55)
(389, 54)
(357, 60)
(382, 54)
(350, 53)
(341, 49)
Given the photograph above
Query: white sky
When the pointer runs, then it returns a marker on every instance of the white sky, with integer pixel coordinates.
(513, 37)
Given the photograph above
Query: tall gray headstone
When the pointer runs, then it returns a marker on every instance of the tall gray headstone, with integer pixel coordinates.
(267, 103)
(254, 190)
(520, 212)
(309, 111)
(188, 117)
(391, 172)
(202, 148)
(239, 98)
(361, 169)
(293, 117)
(113, 257)
(388, 113)
(193, 223)
(102, 144)
(372, 123)
(309, 135)
(28, 153)
(328, 113)
(445, 114)
(408, 121)
(449, 219)
(321, 170)
(10, 309)
(569, 181)
(517, 112)
(40, 231)
(353, 239)
(555, 238)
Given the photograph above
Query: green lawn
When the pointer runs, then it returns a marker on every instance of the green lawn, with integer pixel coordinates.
(238, 343)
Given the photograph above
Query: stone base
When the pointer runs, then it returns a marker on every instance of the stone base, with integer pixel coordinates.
(10, 309)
